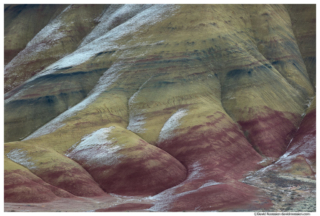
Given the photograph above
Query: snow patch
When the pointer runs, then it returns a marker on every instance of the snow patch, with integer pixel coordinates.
(20, 157)
(309, 102)
(171, 124)
(136, 123)
(195, 171)
(99, 137)
(97, 149)
(108, 78)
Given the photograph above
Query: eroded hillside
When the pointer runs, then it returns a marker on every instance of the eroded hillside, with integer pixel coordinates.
(158, 107)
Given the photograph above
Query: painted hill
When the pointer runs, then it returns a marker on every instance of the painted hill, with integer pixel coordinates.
(158, 107)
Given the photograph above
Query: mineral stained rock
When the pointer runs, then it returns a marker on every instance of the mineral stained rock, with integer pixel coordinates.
(157, 107)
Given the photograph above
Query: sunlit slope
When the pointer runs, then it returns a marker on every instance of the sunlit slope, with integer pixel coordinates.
(187, 98)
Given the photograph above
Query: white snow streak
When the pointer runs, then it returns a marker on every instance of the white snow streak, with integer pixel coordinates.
(114, 14)
(20, 157)
(49, 33)
(136, 117)
(109, 77)
(210, 183)
(171, 124)
(267, 159)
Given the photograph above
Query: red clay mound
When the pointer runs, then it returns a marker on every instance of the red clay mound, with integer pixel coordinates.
(23, 187)
(131, 169)
(215, 159)
(270, 131)
(74, 180)
(223, 152)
